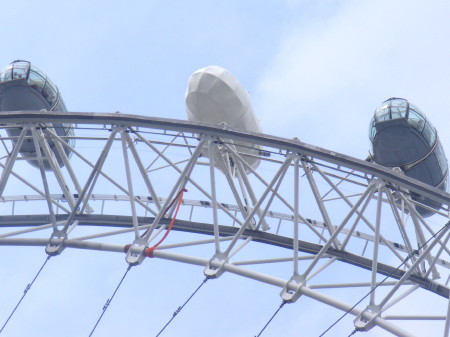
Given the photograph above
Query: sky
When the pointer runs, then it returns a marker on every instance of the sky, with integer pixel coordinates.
(314, 69)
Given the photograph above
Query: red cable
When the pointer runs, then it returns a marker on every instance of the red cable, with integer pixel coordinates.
(149, 251)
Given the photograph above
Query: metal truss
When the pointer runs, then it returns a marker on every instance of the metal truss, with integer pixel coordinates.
(339, 222)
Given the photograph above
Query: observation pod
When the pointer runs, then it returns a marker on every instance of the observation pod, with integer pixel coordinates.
(215, 96)
(24, 87)
(402, 137)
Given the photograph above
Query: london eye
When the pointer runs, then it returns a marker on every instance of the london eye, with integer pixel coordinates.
(365, 238)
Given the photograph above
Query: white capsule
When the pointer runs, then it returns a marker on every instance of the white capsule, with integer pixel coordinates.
(215, 96)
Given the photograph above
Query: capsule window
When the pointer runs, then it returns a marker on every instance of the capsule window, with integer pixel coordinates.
(6, 74)
(441, 157)
(382, 114)
(397, 113)
(20, 70)
(68, 131)
(416, 120)
(36, 81)
(49, 93)
(15, 71)
(444, 185)
(398, 109)
(429, 133)
(59, 106)
(372, 130)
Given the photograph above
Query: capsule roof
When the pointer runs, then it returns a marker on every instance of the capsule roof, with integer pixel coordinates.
(36, 79)
(396, 108)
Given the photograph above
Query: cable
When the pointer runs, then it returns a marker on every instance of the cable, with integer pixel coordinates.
(108, 302)
(179, 196)
(271, 318)
(176, 312)
(372, 290)
(149, 251)
(25, 292)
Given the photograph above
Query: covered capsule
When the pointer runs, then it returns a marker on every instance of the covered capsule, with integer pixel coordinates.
(403, 137)
(24, 87)
(215, 96)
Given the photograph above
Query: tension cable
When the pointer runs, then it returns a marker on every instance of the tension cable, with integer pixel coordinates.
(384, 280)
(176, 312)
(25, 292)
(179, 196)
(271, 318)
(149, 251)
(108, 302)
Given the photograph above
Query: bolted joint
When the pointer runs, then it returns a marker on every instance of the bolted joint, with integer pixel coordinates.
(366, 319)
(135, 252)
(375, 181)
(294, 156)
(56, 243)
(291, 290)
(119, 128)
(215, 267)
(398, 170)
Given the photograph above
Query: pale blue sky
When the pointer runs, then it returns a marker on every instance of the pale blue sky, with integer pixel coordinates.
(314, 69)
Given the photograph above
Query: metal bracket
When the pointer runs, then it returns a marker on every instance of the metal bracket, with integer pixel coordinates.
(215, 269)
(291, 291)
(136, 252)
(366, 319)
(55, 245)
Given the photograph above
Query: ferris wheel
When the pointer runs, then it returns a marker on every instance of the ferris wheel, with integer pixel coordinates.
(216, 197)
